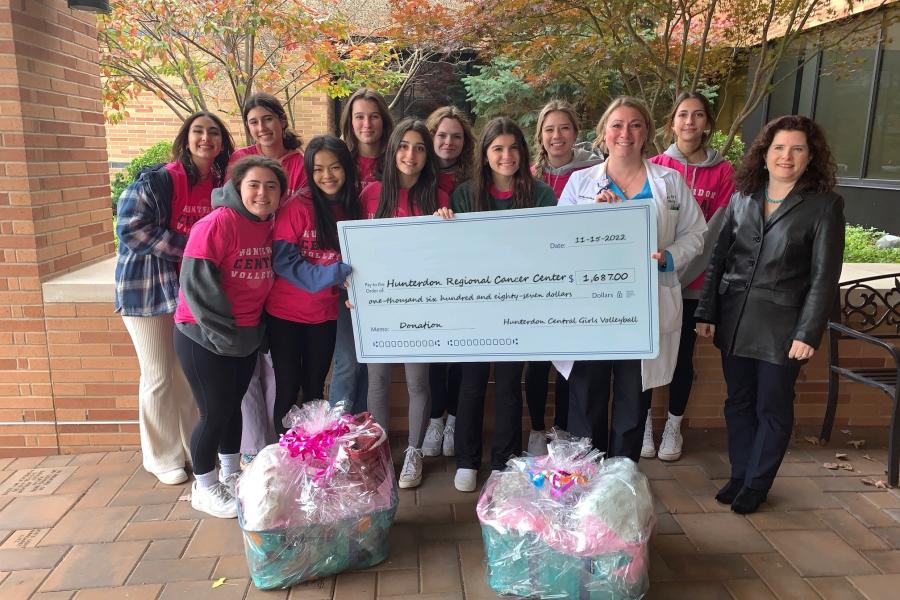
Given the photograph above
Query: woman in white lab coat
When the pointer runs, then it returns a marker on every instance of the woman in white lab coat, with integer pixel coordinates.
(625, 134)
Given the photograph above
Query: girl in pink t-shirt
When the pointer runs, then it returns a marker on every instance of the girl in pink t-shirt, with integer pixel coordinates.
(155, 215)
(366, 125)
(226, 276)
(409, 188)
(266, 120)
(302, 307)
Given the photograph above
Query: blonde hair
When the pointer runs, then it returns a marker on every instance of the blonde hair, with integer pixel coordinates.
(467, 156)
(540, 158)
(637, 105)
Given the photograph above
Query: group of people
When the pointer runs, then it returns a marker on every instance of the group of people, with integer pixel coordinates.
(231, 285)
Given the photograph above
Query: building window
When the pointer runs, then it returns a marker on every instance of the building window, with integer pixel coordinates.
(853, 94)
(845, 79)
(884, 149)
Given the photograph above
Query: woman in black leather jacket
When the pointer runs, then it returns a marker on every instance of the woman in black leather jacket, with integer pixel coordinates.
(770, 285)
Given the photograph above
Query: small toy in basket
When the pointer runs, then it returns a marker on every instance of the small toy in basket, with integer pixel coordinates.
(319, 502)
(568, 525)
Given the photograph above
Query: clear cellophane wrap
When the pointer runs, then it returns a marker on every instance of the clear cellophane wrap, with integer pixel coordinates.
(320, 501)
(568, 525)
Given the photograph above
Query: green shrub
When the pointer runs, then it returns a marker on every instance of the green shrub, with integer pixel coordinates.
(859, 246)
(160, 152)
(735, 152)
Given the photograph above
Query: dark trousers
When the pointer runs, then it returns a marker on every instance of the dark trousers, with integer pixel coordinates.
(536, 385)
(444, 379)
(301, 356)
(218, 383)
(589, 386)
(507, 439)
(759, 414)
(683, 377)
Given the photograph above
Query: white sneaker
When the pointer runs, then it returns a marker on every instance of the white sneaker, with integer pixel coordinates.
(466, 480)
(537, 443)
(434, 437)
(670, 446)
(216, 500)
(648, 448)
(172, 477)
(411, 473)
(449, 445)
(230, 481)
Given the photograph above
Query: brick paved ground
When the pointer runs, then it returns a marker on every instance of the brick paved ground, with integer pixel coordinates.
(96, 526)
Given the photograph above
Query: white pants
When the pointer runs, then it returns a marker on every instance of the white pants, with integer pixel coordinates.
(167, 410)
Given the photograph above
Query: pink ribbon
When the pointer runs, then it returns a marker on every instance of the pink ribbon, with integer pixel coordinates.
(315, 446)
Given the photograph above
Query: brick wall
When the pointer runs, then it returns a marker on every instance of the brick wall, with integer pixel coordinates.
(54, 195)
(151, 121)
(95, 374)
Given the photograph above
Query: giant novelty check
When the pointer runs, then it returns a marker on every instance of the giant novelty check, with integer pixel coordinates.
(560, 283)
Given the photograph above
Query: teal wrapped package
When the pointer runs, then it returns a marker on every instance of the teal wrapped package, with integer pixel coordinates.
(568, 525)
(319, 502)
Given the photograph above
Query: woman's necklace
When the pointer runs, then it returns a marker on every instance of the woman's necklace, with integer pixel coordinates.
(772, 200)
(626, 186)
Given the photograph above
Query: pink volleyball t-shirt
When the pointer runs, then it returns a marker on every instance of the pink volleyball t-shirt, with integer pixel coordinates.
(242, 251)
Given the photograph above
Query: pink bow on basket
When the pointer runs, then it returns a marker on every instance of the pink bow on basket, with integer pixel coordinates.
(310, 447)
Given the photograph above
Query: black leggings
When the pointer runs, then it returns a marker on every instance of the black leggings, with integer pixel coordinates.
(683, 377)
(536, 396)
(301, 356)
(218, 383)
(444, 379)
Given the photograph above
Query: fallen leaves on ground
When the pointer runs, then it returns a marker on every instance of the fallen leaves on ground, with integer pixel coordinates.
(876, 483)
(857, 443)
(831, 466)
(219, 582)
(812, 440)
(867, 457)
(841, 456)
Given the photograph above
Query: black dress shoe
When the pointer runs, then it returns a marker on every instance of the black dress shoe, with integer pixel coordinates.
(748, 500)
(728, 493)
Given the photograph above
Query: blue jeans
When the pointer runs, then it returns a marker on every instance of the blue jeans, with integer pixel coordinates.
(349, 379)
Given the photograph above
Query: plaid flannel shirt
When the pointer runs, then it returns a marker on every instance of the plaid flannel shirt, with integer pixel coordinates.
(149, 252)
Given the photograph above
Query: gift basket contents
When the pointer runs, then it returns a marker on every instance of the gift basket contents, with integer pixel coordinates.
(568, 524)
(320, 501)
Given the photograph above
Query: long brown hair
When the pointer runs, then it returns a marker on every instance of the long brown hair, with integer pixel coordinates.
(387, 121)
(182, 154)
(540, 159)
(269, 102)
(819, 175)
(523, 181)
(707, 108)
(463, 165)
(422, 195)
